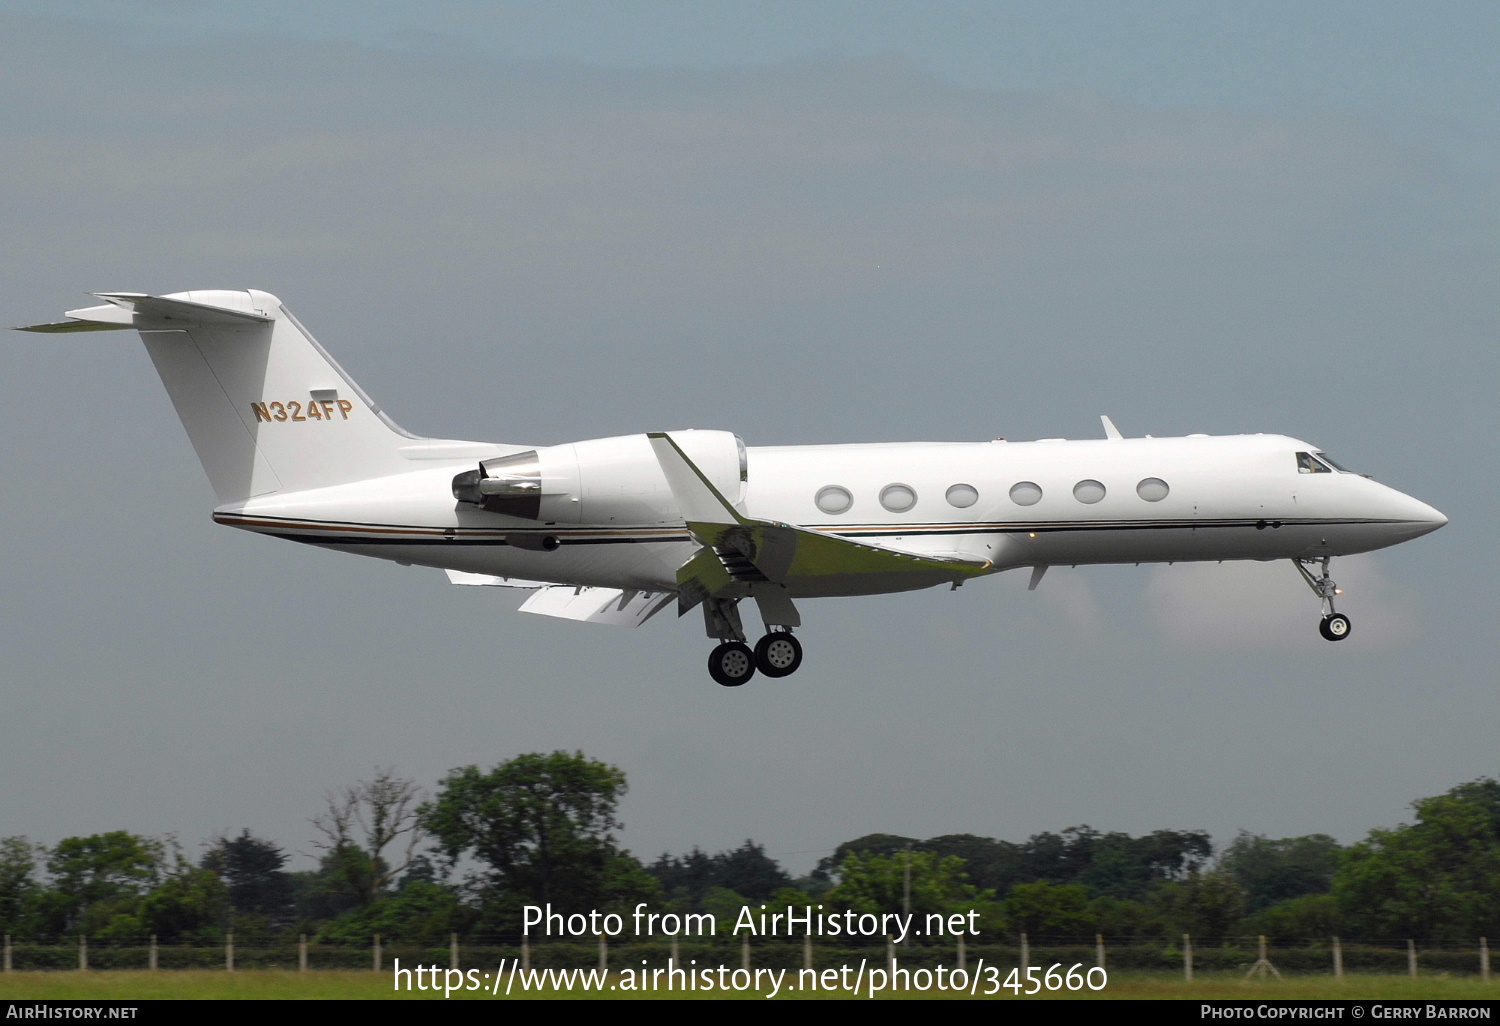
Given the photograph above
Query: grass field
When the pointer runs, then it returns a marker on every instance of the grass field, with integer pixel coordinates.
(283, 985)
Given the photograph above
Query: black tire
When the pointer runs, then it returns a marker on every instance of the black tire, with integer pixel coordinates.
(778, 654)
(731, 664)
(1335, 627)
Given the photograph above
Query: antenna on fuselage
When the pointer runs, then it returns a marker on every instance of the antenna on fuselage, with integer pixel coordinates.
(1110, 431)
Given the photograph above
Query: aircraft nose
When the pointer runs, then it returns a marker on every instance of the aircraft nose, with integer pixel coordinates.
(1417, 518)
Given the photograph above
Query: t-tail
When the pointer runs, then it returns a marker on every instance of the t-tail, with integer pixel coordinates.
(266, 408)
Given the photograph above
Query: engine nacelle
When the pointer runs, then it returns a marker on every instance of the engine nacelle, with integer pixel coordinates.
(601, 480)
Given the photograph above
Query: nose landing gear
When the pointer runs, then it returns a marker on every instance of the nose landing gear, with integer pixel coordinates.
(1334, 626)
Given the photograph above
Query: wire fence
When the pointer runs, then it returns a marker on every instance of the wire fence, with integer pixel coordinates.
(1330, 957)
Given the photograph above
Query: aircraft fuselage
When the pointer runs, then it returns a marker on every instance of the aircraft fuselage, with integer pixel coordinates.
(1056, 502)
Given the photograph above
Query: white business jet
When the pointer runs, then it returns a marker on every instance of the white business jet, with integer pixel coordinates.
(610, 530)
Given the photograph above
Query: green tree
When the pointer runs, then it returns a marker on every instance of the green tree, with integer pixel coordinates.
(1310, 917)
(870, 844)
(252, 873)
(879, 883)
(1044, 909)
(1209, 906)
(97, 884)
(1123, 921)
(541, 824)
(188, 906)
(371, 833)
(747, 870)
(339, 884)
(1437, 878)
(421, 912)
(19, 859)
(1273, 871)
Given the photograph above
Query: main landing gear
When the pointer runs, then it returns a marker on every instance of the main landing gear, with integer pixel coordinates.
(778, 654)
(1334, 626)
(733, 662)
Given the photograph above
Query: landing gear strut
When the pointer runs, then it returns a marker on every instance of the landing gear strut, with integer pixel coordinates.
(1334, 626)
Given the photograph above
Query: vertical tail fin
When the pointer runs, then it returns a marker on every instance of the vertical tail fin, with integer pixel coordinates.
(265, 407)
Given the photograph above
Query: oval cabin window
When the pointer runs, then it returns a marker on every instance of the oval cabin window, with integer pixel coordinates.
(898, 498)
(963, 496)
(1026, 493)
(1153, 489)
(834, 499)
(1088, 492)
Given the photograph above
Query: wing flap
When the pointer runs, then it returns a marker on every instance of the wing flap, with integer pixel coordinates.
(488, 581)
(610, 606)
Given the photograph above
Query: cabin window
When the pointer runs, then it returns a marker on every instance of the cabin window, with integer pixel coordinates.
(1152, 489)
(962, 495)
(898, 498)
(1088, 492)
(1307, 463)
(1026, 493)
(833, 499)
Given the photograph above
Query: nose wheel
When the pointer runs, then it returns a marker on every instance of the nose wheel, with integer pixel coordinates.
(1334, 626)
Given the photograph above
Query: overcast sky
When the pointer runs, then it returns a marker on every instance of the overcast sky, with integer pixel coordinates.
(803, 223)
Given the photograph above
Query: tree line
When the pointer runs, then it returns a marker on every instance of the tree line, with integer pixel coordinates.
(395, 860)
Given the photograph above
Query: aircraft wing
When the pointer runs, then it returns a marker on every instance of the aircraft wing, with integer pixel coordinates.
(740, 551)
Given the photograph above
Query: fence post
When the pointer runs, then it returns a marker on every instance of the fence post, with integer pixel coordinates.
(1099, 949)
(83, 951)
(807, 950)
(676, 954)
(1187, 957)
(1025, 954)
(229, 951)
(377, 952)
(890, 956)
(1484, 959)
(1338, 960)
(302, 954)
(1411, 957)
(603, 953)
(745, 953)
(962, 955)
(525, 953)
(151, 955)
(453, 951)
(7, 952)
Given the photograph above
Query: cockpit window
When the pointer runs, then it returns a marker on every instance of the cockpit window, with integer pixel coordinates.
(1309, 464)
(1333, 463)
(1317, 463)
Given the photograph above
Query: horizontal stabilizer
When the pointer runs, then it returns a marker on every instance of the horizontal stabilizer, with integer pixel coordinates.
(609, 606)
(153, 313)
